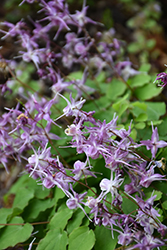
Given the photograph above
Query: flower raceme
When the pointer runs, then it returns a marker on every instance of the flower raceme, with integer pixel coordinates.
(94, 139)
(26, 133)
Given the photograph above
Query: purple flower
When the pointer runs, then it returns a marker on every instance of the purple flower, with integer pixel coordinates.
(125, 70)
(161, 78)
(80, 170)
(111, 186)
(148, 177)
(75, 200)
(80, 19)
(28, 1)
(154, 143)
(59, 85)
(147, 242)
(56, 13)
(126, 237)
(39, 160)
(14, 29)
(73, 108)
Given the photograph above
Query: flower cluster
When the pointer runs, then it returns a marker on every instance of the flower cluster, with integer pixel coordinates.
(95, 139)
(26, 131)
(78, 48)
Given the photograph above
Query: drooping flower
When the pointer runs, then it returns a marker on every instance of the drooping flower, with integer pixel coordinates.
(162, 79)
(111, 186)
(154, 143)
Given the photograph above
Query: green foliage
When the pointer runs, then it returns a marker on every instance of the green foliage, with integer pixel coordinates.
(70, 229)
(36, 208)
(81, 238)
(104, 241)
(14, 234)
(54, 239)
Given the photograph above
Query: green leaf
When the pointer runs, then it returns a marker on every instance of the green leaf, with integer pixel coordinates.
(60, 219)
(150, 44)
(133, 134)
(146, 92)
(14, 234)
(155, 110)
(164, 205)
(19, 184)
(81, 239)
(16, 211)
(36, 206)
(115, 89)
(128, 205)
(103, 114)
(135, 47)
(163, 126)
(26, 182)
(4, 213)
(139, 80)
(54, 239)
(138, 108)
(59, 194)
(121, 107)
(22, 198)
(101, 77)
(157, 193)
(104, 240)
(75, 221)
(155, 123)
(140, 125)
(145, 67)
(75, 75)
(141, 118)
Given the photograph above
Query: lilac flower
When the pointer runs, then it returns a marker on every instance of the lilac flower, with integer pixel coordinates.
(59, 85)
(73, 108)
(125, 70)
(40, 32)
(116, 157)
(14, 29)
(28, 1)
(162, 79)
(43, 109)
(147, 242)
(93, 148)
(31, 244)
(147, 222)
(147, 215)
(111, 186)
(154, 143)
(4, 160)
(80, 170)
(96, 64)
(4, 89)
(52, 177)
(39, 160)
(80, 19)
(134, 185)
(148, 177)
(146, 205)
(126, 237)
(75, 200)
(94, 205)
(56, 13)
(32, 55)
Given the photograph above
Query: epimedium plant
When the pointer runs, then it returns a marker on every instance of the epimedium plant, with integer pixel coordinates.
(92, 178)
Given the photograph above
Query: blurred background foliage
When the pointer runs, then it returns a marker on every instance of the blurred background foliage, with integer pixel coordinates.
(142, 24)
